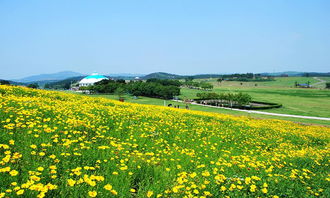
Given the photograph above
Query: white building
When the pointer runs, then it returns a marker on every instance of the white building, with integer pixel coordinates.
(90, 80)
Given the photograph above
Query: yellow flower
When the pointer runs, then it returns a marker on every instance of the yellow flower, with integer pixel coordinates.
(132, 190)
(108, 187)
(150, 193)
(206, 193)
(206, 173)
(92, 193)
(196, 191)
(20, 192)
(192, 175)
(114, 192)
(40, 169)
(223, 188)
(248, 180)
(264, 190)
(253, 188)
(13, 172)
(71, 182)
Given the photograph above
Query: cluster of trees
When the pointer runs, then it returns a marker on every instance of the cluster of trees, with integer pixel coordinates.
(153, 89)
(33, 85)
(165, 82)
(197, 85)
(227, 98)
(248, 77)
(106, 86)
(327, 85)
(156, 88)
(4, 82)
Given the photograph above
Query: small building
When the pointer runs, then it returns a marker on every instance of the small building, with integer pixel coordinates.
(91, 79)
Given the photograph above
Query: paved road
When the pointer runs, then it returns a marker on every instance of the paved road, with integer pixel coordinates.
(265, 113)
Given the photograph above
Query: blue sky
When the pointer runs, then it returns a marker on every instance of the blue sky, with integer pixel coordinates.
(179, 36)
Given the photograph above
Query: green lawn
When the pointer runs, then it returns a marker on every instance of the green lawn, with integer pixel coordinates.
(308, 102)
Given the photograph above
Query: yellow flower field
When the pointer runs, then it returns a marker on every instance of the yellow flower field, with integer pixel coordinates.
(55, 144)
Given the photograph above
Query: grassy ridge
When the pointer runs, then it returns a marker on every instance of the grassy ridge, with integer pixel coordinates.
(58, 145)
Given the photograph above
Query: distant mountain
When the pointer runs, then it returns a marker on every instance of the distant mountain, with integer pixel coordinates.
(201, 76)
(289, 73)
(49, 77)
(125, 75)
(66, 83)
(162, 75)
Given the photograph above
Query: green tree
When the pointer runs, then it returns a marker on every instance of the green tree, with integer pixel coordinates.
(327, 85)
(47, 86)
(120, 91)
(33, 85)
(4, 82)
(219, 80)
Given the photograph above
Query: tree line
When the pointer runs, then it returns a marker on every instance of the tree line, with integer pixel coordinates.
(155, 88)
(189, 83)
(248, 77)
(231, 99)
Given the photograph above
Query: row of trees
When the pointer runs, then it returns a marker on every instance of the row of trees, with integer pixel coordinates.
(157, 88)
(197, 85)
(227, 98)
(153, 89)
(248, 77)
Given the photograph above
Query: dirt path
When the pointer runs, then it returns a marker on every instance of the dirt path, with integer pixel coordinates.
(319, 79)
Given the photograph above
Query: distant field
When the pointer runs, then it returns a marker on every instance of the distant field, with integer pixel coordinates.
(296, 101)
(286, 82)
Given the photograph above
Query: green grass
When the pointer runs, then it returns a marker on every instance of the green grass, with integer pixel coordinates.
(284, 82)
(307, 102)
(160, 102)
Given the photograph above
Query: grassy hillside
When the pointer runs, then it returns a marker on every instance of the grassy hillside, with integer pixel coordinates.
(160, 102)
(64, 145)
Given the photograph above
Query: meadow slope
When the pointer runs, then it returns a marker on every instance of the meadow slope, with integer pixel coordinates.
(57, 144)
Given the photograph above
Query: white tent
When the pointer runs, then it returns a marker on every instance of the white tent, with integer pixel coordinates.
(90, 80)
